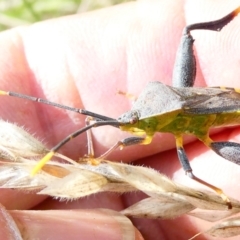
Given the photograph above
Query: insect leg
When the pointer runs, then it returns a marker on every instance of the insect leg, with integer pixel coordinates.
(90, 156)
(125, 143)
(90, 153)
(188, 170)
(52, 151)
(184, 71)
(227, 150)
(128, 95)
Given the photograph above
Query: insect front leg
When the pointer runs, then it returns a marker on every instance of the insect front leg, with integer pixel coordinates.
(125, 143)
(188, 170)
(90, 146)
(90, 156)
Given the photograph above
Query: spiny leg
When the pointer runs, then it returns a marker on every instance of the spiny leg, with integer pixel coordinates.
(184, 72)
(228, 150)
(188, 170)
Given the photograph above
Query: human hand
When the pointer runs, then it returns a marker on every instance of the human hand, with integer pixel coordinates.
(83, 60)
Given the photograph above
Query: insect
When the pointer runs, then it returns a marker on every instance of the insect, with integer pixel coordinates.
(181, 109)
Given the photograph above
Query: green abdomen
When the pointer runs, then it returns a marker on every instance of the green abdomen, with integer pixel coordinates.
(180, 123)
(199, 124)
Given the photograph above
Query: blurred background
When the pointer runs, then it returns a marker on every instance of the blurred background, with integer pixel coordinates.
(14, 13)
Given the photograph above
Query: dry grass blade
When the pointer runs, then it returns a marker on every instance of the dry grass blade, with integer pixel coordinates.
(16, 144)
(227, 228)
(72, 180)
(16, 175)
(158, 208)
(76, 185)
(171, 205)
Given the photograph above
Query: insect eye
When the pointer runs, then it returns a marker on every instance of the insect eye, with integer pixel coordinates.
(134, 117)
(133, 120)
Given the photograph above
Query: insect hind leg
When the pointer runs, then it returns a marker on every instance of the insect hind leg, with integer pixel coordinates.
(188, 170)
(227, 150)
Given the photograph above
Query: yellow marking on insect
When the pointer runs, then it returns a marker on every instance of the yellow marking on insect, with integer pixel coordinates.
(147, 140)
(230, 89)
(237, 90)
(217, 190)
(93, 161)
(179, 141)
(3, 92)
(121, 146)
(207, 141)
(223, 88)
(236, 11)
(128, 95)
(199, 93)
(42, 162)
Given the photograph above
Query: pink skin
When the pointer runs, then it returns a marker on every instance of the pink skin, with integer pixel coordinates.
(83, 60)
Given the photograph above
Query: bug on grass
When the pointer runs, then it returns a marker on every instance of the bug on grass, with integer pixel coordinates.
(181, 109)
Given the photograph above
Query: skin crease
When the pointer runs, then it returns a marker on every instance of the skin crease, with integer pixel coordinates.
(83, 60)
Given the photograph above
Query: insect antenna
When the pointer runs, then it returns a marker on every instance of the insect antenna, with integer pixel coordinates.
(100, 120)
(57, 105)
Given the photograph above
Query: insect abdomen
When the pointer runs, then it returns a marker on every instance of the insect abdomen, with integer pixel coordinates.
(227, 119)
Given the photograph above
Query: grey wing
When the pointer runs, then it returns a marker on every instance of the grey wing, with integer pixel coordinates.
(210, 101)
(157, 98)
